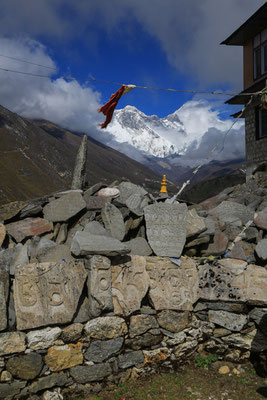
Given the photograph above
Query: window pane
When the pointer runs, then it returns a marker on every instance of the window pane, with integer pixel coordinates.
(257, 40)
(257, 62)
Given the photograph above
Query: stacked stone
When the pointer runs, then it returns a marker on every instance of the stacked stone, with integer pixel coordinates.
(101, 285)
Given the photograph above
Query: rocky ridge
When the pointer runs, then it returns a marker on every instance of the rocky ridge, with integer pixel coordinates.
(109, 282)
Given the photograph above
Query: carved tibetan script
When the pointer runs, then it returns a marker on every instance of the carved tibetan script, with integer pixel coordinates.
(47, 293)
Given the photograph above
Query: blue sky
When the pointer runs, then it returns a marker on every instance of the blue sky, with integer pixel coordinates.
(165, 44)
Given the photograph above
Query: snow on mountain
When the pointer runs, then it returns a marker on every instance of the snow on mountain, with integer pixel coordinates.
(150, 134)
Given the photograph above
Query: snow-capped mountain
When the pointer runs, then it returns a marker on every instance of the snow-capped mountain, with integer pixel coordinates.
(150, 134)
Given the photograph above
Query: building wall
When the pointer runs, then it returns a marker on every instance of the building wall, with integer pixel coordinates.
(248, 64)
(256, 150)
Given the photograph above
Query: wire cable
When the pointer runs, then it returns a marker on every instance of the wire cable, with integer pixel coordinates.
(27, 62)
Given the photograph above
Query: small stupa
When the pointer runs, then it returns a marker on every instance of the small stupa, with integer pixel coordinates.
(163, 190)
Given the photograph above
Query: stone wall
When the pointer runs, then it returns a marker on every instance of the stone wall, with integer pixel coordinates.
(256, 150)
(100, 286)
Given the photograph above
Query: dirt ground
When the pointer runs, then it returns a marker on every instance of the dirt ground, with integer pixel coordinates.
(191, 383)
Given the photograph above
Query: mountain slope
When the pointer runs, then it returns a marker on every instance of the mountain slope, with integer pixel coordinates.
(37, 157)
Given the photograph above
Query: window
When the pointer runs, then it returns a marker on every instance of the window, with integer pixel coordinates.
(260, 54)
(261, 123)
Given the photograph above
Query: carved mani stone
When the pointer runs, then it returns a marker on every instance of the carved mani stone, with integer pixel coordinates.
(166, 228)
(172, 287)
(99, 286)
(47, 293)
(130, 283)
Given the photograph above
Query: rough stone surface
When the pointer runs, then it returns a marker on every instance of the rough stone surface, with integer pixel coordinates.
(3, 307)
(253, 340)
(139, 247)
(231, 321)
(47, 382)
(127, 189)
(156, 356)
(218, 246)
(105, 328)
(261, 249)
(146, 340)
(95, 228)
(2, 233)
(55, 254)
(66, 356)
(79, 174)
(172, 287)
(166, 228)
(99, 350)
(130, 282)
(19, 230)
(85, 244)
(84, 374)
(130, 359)
(173, 321)
(64, 208)
(47, 293)
(99, 286)
(26, 366)
(42, 339)
(233, 209)
(72, 332)
(256, 285)
(113, 221)
(12, 342)
(259, 315)
(260, 219)
(194, 224)
(140, 324)
(136, 203)
(9, 390)
(95, 202)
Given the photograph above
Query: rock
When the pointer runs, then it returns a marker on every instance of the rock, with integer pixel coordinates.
(140, 324)
(173, 321)
(260, 219)
(109, 192)
(82, 314)
(256, 285)
(12, 342)
(172, 287)
(232, 209)
(99, 350)
(56, 253)
(254, 341)
(55, 395)
(198, 241)
(71, 333)
(127, 189)
(79, 174)
(20, 256)
(10, 210)
(9, 390)
(113, 221)
(2, 233)
(106, 328)
(136, 203)
(32, 209)
(47, 382)
(231, 321)
(210, 227)
(185, 350)
(63, 357)
(3, 306)
(178, 338)
(84, 374)
(146, 340)
(19, 230)
(99, 286)
(54, 299)
(219, 245)
(194, 224)
(5, 376)
(224, 370)
(64, 208)
(261, 249)
(139, 247)
(26, 366)
(156, 356)
(93, 189)
(95, 228)
(62, 234)
(42, 339)
(259, 315)
(130, 282)
(166, 228)
(130, 359)
(39, 246)
(95, 202)
(84, 244)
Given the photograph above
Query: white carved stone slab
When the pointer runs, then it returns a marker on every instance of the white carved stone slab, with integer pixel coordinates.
(166, 228)
(47, 293)
(172, 287)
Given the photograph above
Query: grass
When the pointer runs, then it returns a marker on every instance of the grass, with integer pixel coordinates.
(200, 381)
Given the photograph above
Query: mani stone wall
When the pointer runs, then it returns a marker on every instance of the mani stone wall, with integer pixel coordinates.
(256, 150)
(144, 313)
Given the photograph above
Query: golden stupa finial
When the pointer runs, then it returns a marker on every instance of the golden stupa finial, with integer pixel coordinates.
(163, 189)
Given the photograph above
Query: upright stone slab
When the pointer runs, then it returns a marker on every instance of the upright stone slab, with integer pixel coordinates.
(166, 228)
(79, 174)
(47, 293)
(172, 287)
(64, 208)
(127, 189)
(232, 209)
(136, 203)
(113, 221)
(99, 286)
(130, 282)
(256, 285)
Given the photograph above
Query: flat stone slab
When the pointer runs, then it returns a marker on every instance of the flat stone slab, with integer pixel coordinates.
(28, 227)
(90, 373)
(12, 342)
(65, 356)
(130, 282)
(113, 221)
(99, 350)
(47, 293)
(166, 228)
(127, 189)
(64, 208)
(260, 219)
(104, 328)
(84, 243)
(195, 224)
(172, 287)
(136, 203)
(95, 202)
(230, 321)
(232, 209)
